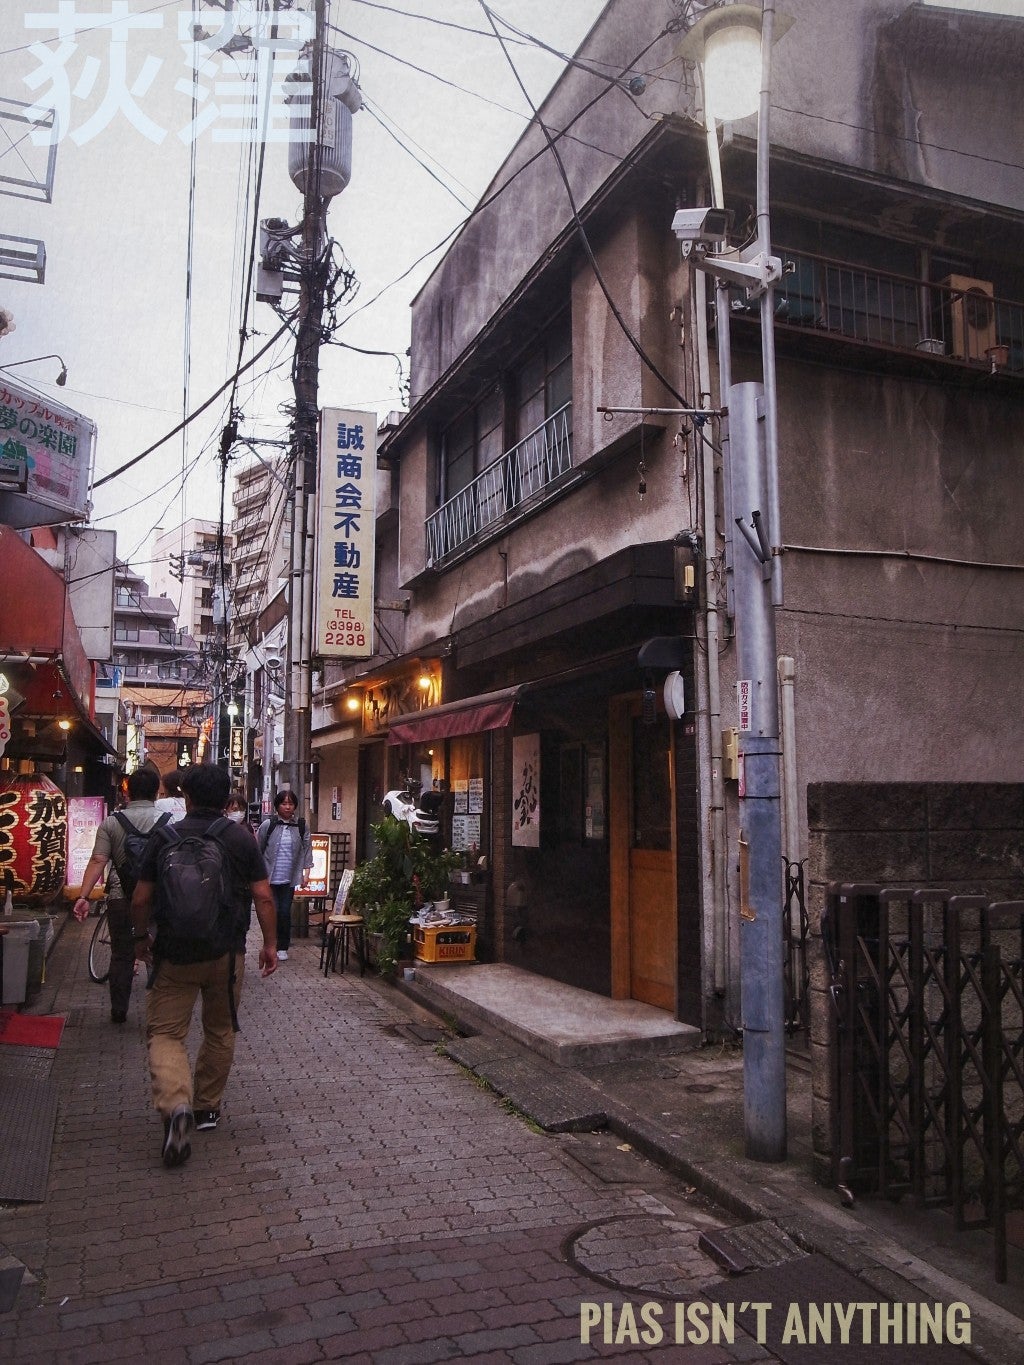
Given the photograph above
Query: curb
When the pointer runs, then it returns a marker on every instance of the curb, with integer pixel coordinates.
(733, 1183)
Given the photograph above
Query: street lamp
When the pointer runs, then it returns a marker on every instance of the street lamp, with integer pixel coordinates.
(61, 379)
(733, 45)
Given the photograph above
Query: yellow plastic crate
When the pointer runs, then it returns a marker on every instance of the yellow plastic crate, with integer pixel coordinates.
(444, 942)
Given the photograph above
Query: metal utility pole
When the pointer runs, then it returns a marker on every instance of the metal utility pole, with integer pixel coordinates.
(750, 460)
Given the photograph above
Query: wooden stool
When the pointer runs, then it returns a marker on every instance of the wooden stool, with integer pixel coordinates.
(342, 933)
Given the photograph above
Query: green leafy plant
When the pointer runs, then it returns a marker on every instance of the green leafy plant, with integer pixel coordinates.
(387, 887)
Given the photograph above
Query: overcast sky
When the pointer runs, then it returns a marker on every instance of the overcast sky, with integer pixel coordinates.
(115, 303)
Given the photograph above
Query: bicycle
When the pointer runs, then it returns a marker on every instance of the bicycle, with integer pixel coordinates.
(99, 950)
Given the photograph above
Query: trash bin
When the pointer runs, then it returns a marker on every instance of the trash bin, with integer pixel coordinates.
(17, 943)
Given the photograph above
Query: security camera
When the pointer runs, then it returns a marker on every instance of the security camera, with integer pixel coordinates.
(706, 225)
(274, 662)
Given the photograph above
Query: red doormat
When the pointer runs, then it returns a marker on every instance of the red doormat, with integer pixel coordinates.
(31, 1030)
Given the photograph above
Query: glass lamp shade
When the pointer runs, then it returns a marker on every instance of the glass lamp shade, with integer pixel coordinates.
(732, 72)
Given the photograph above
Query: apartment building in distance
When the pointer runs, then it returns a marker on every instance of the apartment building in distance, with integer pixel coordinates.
(187, 568)
(261, 544)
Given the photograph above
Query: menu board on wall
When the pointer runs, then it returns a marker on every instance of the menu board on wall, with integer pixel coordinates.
(465, 832)
(476, 796)
(460, 796)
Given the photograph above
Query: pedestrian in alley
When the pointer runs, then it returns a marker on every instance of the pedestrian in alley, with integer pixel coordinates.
(170, 799)
(196, 882)
(287, 849)
(237, 809)
(111, 846)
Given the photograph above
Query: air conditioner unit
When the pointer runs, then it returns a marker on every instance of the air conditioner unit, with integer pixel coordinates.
(970, 315)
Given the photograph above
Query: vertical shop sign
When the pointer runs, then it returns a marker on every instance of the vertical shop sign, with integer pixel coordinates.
(346, 525)
(84, 816)
(526, 791)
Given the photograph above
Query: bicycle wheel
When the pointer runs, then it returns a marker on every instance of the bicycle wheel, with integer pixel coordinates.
(99, 950)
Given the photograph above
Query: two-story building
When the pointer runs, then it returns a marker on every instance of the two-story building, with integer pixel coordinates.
(557, 537)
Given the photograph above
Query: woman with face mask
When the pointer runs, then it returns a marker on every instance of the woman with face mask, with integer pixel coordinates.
(237, 808)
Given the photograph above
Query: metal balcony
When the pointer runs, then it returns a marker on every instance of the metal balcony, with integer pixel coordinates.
(516, 482)
(958, 318)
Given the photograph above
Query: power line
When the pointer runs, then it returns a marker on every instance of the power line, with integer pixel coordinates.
(192, 415)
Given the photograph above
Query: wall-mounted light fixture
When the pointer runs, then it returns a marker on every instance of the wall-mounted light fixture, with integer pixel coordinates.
(353, 702)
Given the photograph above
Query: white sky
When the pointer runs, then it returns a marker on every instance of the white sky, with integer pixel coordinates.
(114, 301)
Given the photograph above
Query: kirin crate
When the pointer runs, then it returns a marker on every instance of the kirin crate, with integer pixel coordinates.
(444, 942)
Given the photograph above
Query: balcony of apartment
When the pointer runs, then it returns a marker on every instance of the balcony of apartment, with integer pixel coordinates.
(864, 317)
(516, 485)
(163, 638)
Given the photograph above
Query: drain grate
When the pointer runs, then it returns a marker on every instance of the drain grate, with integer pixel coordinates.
(28, 1112)
(750, 1246)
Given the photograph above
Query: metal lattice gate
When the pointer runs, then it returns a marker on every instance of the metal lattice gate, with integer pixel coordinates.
(927, 1043)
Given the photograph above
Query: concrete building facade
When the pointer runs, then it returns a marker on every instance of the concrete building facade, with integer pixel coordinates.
(541, 531)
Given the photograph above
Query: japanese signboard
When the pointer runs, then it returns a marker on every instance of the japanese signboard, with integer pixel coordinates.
(84, 816)
(346, 534)
(316, 882)
(46, 453)
(744, 696)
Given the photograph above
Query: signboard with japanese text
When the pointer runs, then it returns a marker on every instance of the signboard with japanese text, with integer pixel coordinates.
(84, 816)
(346, 517)
(316, 882)
(48, 450)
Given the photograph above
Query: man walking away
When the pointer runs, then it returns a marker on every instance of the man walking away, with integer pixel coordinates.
(112, 846)
(190, 959)
(288, 851)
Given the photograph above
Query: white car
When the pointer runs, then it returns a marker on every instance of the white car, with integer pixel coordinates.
(420, 813)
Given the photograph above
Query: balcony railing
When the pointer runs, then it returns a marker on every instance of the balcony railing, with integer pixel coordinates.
(959, 318)
(504, 489)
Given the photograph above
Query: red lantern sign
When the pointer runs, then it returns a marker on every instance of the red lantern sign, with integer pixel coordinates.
(33, 836)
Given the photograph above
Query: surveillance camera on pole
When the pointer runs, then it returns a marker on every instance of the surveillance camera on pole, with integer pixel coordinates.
(708, 226)
(752, 269)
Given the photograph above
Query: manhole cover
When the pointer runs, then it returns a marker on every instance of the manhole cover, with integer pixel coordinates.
(657, 1256)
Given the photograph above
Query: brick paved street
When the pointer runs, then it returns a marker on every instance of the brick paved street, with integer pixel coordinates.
(363, 1198)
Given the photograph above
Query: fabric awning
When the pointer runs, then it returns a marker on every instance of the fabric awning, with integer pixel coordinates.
(472, 716)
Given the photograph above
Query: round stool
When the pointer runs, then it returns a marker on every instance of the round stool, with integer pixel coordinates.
(344, 932)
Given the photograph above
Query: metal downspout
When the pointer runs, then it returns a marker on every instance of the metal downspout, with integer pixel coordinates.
(712, 636)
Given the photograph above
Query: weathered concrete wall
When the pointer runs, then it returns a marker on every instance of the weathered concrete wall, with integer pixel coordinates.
(962, 836)
(888, 86)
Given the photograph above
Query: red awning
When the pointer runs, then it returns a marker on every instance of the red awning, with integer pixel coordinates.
(474, 715)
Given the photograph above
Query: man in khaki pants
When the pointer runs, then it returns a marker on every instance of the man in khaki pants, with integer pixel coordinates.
(183, 1104)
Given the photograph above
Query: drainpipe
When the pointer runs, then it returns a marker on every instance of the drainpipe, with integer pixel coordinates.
(711, 618)
(790, 795)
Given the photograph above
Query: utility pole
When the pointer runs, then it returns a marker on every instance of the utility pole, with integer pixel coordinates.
(320, 167)
(305, 428)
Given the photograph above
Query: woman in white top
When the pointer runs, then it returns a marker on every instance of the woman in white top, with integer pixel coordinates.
(171, 799)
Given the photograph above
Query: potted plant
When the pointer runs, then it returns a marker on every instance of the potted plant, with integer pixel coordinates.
(386, 888)
(434, 872)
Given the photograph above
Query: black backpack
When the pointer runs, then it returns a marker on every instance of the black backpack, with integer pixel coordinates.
(198, 918)
(135, 841)
(276, 820)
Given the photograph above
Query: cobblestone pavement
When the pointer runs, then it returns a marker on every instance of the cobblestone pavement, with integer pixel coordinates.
(362, 1198)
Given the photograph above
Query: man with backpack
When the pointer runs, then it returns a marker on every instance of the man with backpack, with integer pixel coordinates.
(120, 839)
(196, 882)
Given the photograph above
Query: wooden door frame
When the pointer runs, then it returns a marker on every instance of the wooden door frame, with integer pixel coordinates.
(621, 710)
